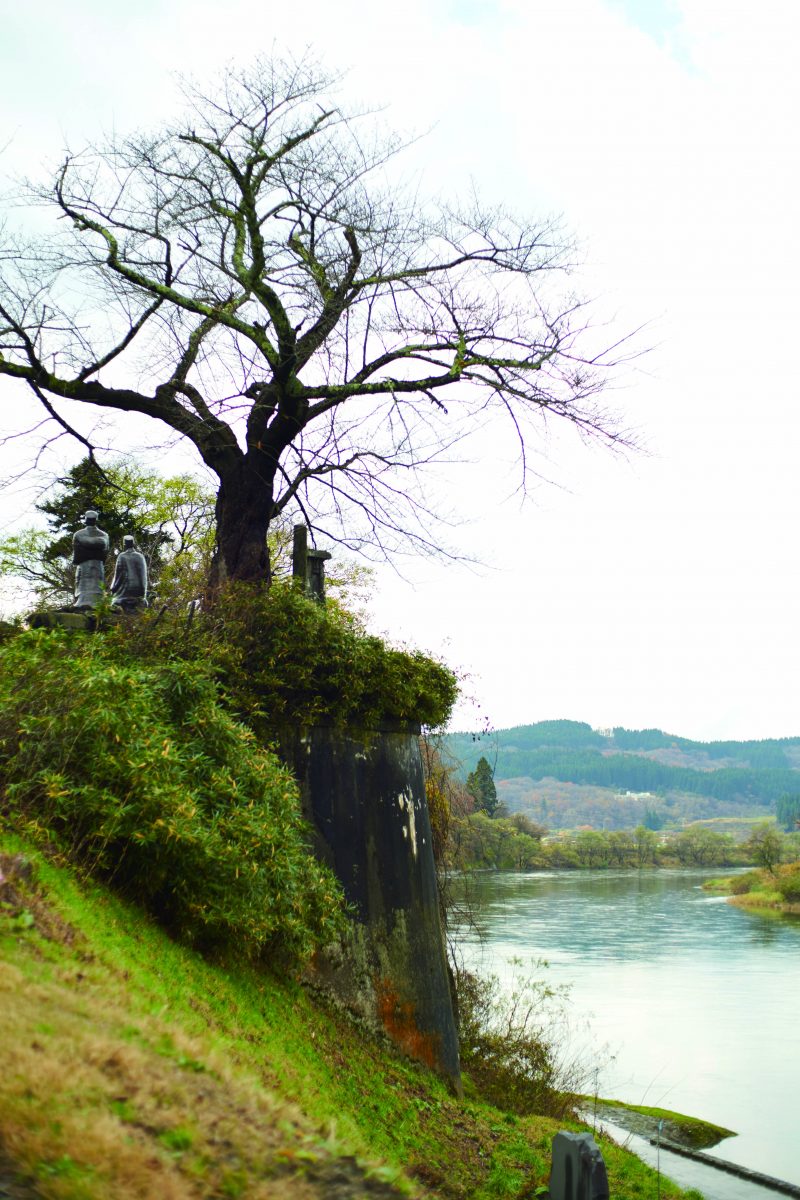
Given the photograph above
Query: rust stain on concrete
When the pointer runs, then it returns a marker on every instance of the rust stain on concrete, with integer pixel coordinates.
(398, 1019)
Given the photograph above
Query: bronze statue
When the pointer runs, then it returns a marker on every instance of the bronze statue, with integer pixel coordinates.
(89, 550)
(129, 585)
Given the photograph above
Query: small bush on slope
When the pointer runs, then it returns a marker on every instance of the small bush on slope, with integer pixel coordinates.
(135, 771)
(515, 1047)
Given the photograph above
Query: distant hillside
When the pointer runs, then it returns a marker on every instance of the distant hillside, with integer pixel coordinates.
(728, 776)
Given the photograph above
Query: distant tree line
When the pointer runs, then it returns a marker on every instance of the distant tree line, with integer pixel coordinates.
(762, 755)
(518, 844)
(547, 734)
(578, 735)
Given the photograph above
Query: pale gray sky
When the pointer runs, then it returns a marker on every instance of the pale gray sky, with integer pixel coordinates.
(662, 591)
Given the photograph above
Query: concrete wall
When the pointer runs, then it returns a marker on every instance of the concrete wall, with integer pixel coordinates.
(364, 796)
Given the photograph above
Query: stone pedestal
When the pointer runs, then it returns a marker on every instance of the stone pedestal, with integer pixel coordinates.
(83, 621)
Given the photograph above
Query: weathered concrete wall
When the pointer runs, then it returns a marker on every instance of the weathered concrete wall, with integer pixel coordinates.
(365, 798)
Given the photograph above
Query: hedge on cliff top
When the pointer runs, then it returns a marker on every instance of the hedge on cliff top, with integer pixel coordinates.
(284, 659)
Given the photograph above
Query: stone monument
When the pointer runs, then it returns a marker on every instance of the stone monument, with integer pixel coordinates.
(129, 585)
(89, 550)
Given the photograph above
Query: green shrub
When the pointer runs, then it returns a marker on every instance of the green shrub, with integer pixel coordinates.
(135, 770)
(740, 885)
(788, 883)
(283, 658)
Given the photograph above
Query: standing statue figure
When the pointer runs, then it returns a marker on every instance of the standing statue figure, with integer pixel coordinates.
(89, 550)
(129, 585)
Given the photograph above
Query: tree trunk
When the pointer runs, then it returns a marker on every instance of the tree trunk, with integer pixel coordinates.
(243, 511)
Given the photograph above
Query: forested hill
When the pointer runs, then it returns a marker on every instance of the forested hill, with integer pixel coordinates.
(636, 760)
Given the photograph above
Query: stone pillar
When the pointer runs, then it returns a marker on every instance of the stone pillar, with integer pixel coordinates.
(300, 555)
(364, 796)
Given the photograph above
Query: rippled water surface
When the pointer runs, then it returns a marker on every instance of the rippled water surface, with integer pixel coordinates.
(698, 1000)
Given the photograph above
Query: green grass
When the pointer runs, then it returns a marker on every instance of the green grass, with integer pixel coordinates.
(132, 1067)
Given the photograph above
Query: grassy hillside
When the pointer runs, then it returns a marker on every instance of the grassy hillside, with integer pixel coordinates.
(132, 1067)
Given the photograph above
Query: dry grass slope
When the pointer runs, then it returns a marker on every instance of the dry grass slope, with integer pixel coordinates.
(93, 1106)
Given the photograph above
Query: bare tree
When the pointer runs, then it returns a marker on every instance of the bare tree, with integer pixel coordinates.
(253, 279)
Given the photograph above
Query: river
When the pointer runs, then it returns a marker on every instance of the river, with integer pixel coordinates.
(696, 999)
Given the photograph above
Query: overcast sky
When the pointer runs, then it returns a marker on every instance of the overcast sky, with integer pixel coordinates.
(661, 590)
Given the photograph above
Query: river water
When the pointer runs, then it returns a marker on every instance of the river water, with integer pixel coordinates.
(698, 1001)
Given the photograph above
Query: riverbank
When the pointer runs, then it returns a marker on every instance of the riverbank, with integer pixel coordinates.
(775, 891)
(131, 1066)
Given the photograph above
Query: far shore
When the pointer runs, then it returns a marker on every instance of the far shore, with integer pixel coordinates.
(774, 892)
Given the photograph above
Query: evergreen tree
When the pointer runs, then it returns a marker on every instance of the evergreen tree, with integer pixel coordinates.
(480, 785)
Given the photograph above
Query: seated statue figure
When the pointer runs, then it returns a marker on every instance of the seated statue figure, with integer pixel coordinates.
(129, 585)
(89, 550)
